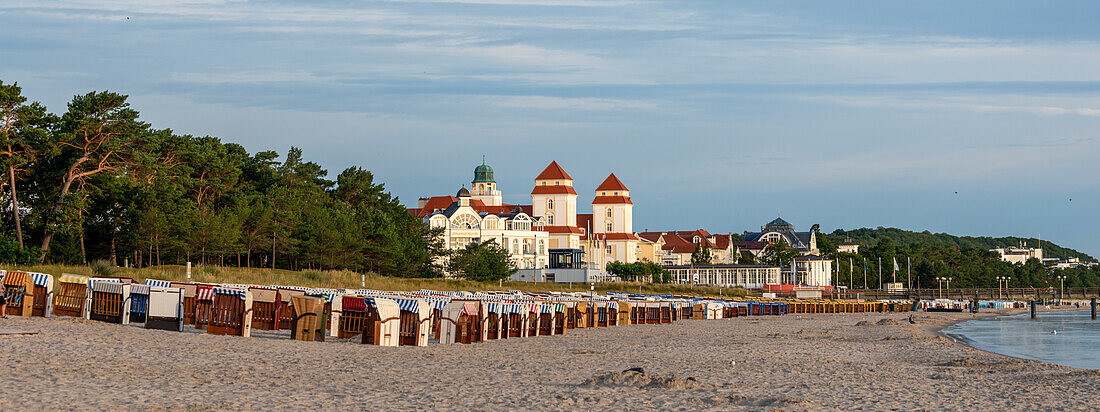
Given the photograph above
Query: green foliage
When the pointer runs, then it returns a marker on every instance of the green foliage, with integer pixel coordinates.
(868, 237)
(103, 268)
(482, 262)
(642, 271)
(12, 253)
(97, 183)
(701, 255)
(779, 254)
(746, 258)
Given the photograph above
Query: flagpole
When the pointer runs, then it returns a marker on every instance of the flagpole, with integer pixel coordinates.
(880, 272)
(909, 271)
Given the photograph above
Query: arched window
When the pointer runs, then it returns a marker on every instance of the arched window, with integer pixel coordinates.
(610, 225)
(609, 212)
(549, 204)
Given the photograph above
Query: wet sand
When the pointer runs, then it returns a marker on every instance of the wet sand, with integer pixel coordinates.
(792, 362)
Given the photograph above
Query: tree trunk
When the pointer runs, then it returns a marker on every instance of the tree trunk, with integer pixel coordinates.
(248, 257)
(15, 204)
(114, 238)
(83, 253)
(46, 237)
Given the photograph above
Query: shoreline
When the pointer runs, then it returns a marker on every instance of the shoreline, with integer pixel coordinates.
(965, 341)
(792, 362)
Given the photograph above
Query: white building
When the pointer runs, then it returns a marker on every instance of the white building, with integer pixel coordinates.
(746, 276)
(1018, 255)
(551, 221)
(813, 270)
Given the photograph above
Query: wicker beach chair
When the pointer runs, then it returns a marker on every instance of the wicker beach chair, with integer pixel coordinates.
(308, 323)
(110, 301)
(383, 322)
(73, 296)
(230, 312)
(266, 307)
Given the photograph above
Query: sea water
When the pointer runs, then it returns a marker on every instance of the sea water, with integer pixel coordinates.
(1076, 343)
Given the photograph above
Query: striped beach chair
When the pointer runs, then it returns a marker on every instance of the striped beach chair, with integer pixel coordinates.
(165, 308)
(231, 312)
(416, 319)
(139, 302)
(43, 294)
(461, 322)
(110, 302)
(19, 292)
(204, 302)
(383, 322)
(73, 297)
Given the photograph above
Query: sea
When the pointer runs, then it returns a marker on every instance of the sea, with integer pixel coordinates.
(1076, 343)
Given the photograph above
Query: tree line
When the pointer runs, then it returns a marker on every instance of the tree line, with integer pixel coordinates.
(95, 182)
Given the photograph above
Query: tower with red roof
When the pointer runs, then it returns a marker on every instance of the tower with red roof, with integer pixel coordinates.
(612, 221)
(555, 201)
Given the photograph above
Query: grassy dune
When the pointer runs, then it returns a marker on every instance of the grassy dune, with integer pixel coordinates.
(351, 280)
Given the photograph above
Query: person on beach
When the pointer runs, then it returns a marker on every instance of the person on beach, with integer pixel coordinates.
(3, 304)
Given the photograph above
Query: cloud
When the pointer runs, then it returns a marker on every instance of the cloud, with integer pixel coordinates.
(560, 103)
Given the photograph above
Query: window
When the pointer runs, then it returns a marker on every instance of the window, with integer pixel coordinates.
(610, 226)
(609, 212)
(550, 220)
(549, 204)
(607, 249)
(542, 248)
(515, 246)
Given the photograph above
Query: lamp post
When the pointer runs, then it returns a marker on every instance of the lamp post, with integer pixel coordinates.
(1061, 288)
(1000, 279)
(939, 281)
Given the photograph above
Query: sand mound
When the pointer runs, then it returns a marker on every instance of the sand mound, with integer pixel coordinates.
(887, 321)
(863, 323)
(636, 377)
(764, 402)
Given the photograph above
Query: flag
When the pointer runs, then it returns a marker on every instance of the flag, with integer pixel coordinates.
(896, 264)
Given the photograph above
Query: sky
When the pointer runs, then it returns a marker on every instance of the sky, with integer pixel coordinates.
(972, 118)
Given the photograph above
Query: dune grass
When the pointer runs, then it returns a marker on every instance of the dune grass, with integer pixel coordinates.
(351, 280)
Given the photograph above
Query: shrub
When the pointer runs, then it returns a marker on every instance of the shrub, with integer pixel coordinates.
(103, 267)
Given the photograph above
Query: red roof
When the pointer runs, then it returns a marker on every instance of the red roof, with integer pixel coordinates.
(584, 220)
(553, 190)
(611, 200)
(751, 245)
(553, 172)
(563, 229)
(616, 236)
(651, 236)
(677, 244)
(435, 202)
(611, 183)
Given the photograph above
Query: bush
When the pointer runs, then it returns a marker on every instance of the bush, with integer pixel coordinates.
(312, 275)
(103, 268)
(12, 254)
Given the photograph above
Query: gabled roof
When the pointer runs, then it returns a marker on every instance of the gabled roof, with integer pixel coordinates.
(434, 203)
(584, 220)
(562, 229)
(553, 190)
(611, 183)
(677, 244)
(611, 200)
(553, 172)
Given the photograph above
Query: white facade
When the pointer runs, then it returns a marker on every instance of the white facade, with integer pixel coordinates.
(746, 276)
(1018, 255)
(519, 233)
(814, 270)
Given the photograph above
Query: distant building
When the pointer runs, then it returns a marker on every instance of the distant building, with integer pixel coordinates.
(779, 229)
(1019, 254)
(550, 222)
(847, 248)
(676, 247)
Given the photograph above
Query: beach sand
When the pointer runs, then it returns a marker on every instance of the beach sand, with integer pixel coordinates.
(792, 362)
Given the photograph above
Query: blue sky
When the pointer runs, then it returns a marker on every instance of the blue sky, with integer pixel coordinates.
(715, 114)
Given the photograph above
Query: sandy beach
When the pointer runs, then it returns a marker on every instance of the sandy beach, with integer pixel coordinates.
(794, 362)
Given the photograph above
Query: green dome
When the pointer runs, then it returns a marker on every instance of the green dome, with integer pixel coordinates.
(483, 174)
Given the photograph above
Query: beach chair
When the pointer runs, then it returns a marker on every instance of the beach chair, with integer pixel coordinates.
(461, 322)
(416, 316)
(73, 296)
(266, 307)
(517, 320)
(653, 313)
(189, 301)
(666, 312)
(165, 309)
(494, 315)
(383, 322)
(110, 301)
(532, 319)
(559, 319)
(336, 309)
(204, 301)
(353, 317)
(139, 302)
(286, 314)
(545, 319)
(602, 315)
(19, 292)
(623, 312)
(308, 323)
(230, 312)
(42, 294)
